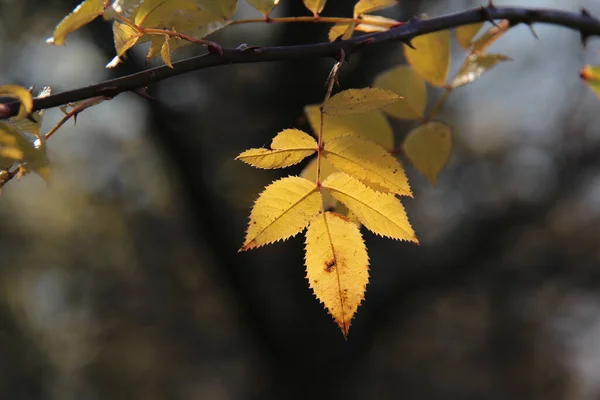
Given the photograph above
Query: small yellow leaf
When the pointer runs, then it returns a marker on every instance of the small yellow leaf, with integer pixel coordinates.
(315, 6)
(342, 30)
(337, 266)
(264, 6)
(82, 15)
(367, 6)
(369, 163)
(32, 124)
(125, 37)
(282, 210)
(220, 8)
(489, 37)
(357, 101)
(404, 81)
(431, 58)
(375, 23)
(466, 33)
(34, 153)
(475, 65)
(165, 53)
(428, 147)
(21, 94)
(310, 172)
(156, 43)
(372, 125)
(381, 213)
(289, 147)
(591, 75)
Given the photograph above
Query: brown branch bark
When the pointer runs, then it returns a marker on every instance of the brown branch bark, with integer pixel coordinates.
(583, 22)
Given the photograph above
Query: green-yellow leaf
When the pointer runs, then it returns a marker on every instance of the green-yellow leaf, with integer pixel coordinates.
(591, 75)
(381, 213)
(431, 58)
(367, 6)
(488, 38)
(165, 53)
(125, 37)
(161, 13)
(264, 6)
(289, 147)
(315, 6)
(310, 172)
(282, 210)
(21, 94)
(337, 266)
(466, 33)
(371, 125)
(220, 8)
(428, 147)
(33, 153)
(475, 65)
(82, 15)
(404, 81)
(342, 30)
(369, 163)
(357, 101)
(375, 23)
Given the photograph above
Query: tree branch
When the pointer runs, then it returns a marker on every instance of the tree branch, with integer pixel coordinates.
(583, 22)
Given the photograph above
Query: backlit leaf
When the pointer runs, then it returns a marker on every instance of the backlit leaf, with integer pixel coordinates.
(488, 38)
(33, 123)
(404, 81)
(431, 58)
(591, 75)
(343, 31)
(466, 33)
(310, 172)
(475, 65)
(428, 147)
(356, 101)
(368, 162)
(161, 13)
(82, 15)
(372, 125)
(282, 210)
(33, 152)
(125, 6)
(375, 23)
(21, 94)
(264, 6)
(337, 266)
(125, 37)
(367, 6)
(381, 213)
(165, 52)
(289, 147)
(221, 8)
(315, 6)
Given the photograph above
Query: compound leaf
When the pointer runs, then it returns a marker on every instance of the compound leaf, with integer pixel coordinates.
(357, 101)
(289, 147)
(337, 266)
(282, 210)
(381, 213)
(404, 81)
(428, 147)
(431, 58)
(369, 163)
(82, 15)
(475, 65)
(310, 172)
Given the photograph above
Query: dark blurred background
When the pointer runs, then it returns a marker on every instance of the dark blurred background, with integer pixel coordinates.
(122, 279)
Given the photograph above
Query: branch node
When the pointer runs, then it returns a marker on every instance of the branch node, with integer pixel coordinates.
(215, 48)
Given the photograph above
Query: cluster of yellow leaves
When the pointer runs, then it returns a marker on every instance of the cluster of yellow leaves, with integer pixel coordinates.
(20, 140)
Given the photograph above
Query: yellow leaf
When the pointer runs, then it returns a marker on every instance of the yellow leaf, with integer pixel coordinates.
(156, 43)
(289, 147)
(221, 8)
(125, 37)
(367, 6)
(369, 163)
(34, 153)
(475, 65)
(21, 94)
(264, 6)
(431, 58)
(342, 30)
(381, 213)
(310, 172)
(26, 124)
(356, 101)
(161, 13)
(165, 53)
(315, 6)
(337, 266)
(371, 125)
(428, 147)
(404, 81)
(375, 23)
(489, 37)
(466, 33)
(82, 15)
(591, 75)
(282, 210)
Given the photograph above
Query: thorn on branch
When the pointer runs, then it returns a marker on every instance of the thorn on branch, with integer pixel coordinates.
(409, 43)
(485, 11)
(530, 26)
